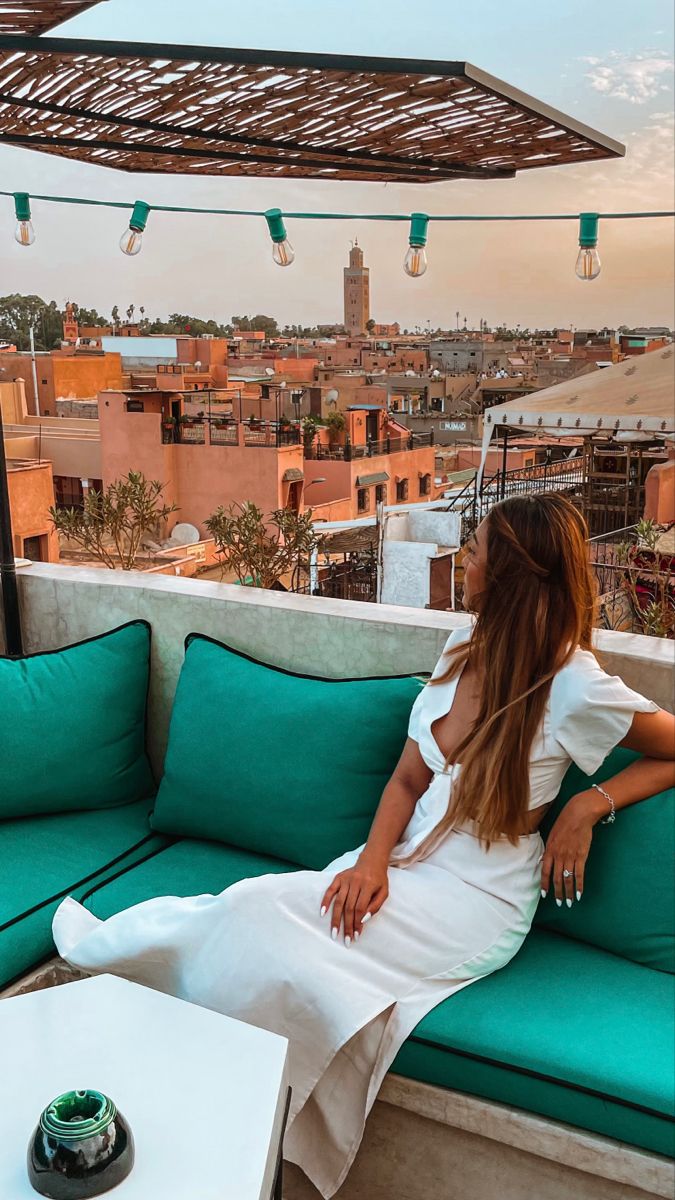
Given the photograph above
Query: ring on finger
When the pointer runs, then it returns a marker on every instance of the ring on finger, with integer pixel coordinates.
(567, 874)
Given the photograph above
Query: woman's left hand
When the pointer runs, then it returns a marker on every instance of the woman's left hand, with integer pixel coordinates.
(566, 851)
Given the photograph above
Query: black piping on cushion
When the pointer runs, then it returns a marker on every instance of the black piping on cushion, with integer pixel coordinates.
(300, 674)
(78, 883)
(125, 870)
(575, 1087)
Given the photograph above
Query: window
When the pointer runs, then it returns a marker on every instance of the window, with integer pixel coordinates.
(381, 493)
(67, 492)
(402, 489)
(425, 485)
(363, 500)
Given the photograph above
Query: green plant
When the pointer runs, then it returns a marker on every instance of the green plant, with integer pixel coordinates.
(648, 581)
(336, 422)
(309, 428)
(255, 548)
(111, 523)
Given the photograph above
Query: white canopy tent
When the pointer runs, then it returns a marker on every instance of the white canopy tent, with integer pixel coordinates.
(631, 401)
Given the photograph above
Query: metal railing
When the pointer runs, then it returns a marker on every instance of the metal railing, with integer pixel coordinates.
(474, 504)
(371, 448)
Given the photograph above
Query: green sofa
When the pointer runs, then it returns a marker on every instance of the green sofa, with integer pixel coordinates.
(579, 1027)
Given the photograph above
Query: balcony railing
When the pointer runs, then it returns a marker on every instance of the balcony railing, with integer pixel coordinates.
(371, 448)
(226, 433)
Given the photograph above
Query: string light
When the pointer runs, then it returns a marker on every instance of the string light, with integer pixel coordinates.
(588, 259)
(415, 262)
(24, 232)
(282, 252)
(131, 240)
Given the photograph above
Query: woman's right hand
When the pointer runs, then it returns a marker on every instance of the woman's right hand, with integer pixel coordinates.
(356, 895)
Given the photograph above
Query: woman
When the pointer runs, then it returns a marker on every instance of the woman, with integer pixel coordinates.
(346, 961)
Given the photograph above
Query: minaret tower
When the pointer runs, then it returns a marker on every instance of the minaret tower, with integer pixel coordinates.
(357, 293)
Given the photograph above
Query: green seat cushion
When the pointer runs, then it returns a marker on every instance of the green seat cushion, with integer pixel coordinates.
(565, 1030)
(72, 725)
(48, 857)
(186, 868)
(628, 903)
(275, 762)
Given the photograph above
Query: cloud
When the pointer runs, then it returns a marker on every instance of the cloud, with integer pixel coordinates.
(636, 78)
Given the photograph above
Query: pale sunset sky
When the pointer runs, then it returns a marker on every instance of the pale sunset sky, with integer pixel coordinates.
(608, 63)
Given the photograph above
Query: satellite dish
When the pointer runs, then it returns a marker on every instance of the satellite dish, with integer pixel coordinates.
(184, 534)
(283, 384)
(410, 373)
(332, 395)
(269, 370)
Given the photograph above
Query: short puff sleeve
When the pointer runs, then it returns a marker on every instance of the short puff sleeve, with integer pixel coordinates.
(591, 711)
(415, 714)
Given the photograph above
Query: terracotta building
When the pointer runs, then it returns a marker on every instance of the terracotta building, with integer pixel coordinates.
(356, 293)
(61, 374)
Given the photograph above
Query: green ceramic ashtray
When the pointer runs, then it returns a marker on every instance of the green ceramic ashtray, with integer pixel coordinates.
(81, 1147)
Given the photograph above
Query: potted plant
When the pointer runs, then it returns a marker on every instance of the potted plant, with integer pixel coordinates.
(309, 426)
(337, 429)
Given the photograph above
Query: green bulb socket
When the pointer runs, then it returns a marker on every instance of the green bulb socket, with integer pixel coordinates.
(418, 229)
(139, 216)
(588, 230)
(275, 224)
(22, 206)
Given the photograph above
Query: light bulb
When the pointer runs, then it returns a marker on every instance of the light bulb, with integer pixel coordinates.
(24, 233)
(415, 262)
(283, 253)
(131, 241)
(588, 263)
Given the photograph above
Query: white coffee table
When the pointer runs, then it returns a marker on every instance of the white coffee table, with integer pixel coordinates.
(171, 1068)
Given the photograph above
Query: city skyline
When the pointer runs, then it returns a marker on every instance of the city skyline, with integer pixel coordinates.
(614, 78)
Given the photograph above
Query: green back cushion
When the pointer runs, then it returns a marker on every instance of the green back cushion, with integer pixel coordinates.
(628, 903)
(278, 763)
(72, 725)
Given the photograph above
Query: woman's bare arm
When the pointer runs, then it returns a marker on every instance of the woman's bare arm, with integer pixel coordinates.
(411, 777)
(358, 892)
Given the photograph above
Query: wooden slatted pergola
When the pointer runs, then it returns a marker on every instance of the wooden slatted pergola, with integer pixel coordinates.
(205, 110)
(37, 16)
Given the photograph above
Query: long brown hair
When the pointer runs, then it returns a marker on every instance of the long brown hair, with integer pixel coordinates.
(537, 606)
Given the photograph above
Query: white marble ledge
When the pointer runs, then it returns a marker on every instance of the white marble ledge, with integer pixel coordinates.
(553, 1140)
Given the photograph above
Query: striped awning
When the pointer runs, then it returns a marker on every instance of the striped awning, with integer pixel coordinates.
(366, 480)
(292, 474)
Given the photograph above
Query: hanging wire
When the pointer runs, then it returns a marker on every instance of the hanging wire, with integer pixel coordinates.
(337, 216)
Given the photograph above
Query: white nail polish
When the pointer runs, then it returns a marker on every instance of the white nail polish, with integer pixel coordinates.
(366, 918)
(357, 935)
(333, 933)
(323, 910)
(348, 940)
(578, 895)
(543, 892)
(568, 902)
(558, 902)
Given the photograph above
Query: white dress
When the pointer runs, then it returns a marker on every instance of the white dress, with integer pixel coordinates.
(260, 952)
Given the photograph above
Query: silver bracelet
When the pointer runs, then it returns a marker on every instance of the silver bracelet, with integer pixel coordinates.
(612, 813)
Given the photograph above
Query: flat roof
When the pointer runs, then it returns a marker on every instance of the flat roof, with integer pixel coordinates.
(205, 110)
